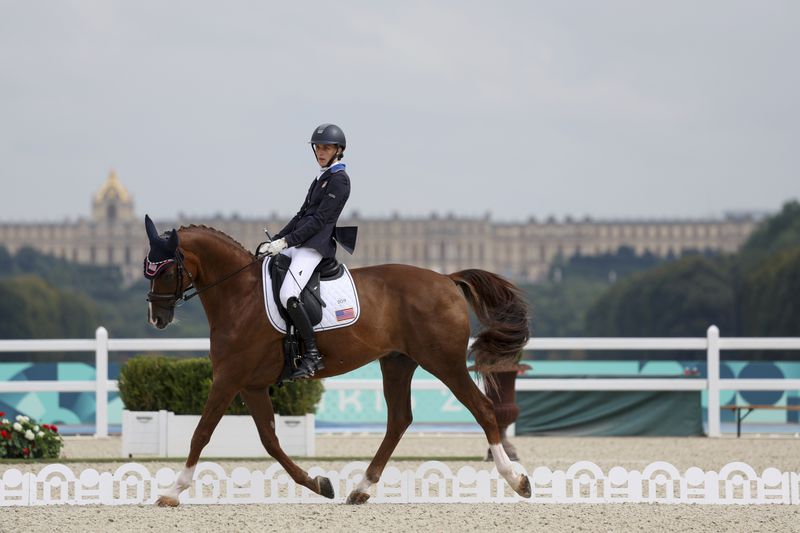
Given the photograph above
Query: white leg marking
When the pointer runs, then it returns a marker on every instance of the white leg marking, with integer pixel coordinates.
(364, 484)
(182, 483)
(503, 463)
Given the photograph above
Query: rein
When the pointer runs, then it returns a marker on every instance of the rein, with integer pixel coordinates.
(180, 294)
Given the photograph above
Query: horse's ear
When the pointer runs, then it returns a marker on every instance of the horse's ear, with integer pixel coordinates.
(172, 240)
(152, 232)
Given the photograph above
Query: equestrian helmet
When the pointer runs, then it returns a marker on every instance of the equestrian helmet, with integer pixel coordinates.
(328, 134)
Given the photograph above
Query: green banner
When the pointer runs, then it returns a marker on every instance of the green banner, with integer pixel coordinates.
(598, 413)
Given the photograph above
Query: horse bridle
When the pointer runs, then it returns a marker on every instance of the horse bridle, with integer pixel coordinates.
(152, 269)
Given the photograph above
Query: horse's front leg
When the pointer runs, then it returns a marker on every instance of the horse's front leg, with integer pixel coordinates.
(397, 370)
(260, 405)
(219, 398)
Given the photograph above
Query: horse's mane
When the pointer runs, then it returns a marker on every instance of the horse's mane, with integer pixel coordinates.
(224, 236)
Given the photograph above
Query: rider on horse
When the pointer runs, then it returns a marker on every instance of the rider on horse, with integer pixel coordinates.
(310, 236)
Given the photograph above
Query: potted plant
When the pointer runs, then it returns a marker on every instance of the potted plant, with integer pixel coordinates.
(164, 397)
(24, 438)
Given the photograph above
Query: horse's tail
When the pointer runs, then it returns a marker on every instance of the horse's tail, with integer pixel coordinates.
(501, 309)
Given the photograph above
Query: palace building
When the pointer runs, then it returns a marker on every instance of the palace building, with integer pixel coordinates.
(520, 251)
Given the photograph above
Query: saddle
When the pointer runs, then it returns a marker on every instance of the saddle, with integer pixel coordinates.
(328, 269)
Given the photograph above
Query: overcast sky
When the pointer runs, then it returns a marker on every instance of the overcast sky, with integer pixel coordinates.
(607, 109)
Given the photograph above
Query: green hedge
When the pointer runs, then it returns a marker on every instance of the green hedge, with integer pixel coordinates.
(149, 383)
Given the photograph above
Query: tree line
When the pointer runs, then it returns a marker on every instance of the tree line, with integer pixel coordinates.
(44, 297)
(754, 292)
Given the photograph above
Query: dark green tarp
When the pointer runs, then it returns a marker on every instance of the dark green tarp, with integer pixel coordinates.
(664, 413)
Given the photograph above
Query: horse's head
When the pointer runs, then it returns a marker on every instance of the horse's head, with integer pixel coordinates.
(164, 267)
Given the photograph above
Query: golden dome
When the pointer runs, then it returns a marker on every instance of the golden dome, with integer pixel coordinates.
(112, 189)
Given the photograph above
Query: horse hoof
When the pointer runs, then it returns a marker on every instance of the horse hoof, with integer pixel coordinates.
(167, 501)
(324, 486)
(357, 498)
(524, 488)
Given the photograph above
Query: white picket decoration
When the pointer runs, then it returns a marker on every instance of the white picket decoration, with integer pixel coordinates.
(433, 482)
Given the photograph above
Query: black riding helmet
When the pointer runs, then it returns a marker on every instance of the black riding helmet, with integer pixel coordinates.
(329, 134)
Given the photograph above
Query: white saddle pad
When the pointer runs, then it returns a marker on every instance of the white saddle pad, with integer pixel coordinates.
(340, 297)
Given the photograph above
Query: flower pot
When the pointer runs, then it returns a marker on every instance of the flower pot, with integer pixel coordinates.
(165, 434)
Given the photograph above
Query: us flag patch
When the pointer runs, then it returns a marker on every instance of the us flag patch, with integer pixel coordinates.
(345, 314)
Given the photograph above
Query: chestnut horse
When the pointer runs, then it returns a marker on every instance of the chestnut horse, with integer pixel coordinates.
(409, 317)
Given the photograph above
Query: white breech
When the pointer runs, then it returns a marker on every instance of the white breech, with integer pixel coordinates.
(304, 261)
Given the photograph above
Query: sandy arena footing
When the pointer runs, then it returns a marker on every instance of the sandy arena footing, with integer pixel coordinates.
(333, 451)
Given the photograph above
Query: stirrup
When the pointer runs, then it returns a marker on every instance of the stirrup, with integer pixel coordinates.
(309, 365)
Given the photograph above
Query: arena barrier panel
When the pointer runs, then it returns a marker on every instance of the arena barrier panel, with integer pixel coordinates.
(432, 482)
(712, 344)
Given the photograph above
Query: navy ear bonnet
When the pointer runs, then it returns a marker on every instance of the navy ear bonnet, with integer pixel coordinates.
(163, 249)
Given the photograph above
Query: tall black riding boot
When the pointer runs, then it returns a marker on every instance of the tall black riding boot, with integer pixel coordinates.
(311, 361)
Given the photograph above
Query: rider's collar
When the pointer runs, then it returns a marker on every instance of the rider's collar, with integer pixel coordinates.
(336, 167)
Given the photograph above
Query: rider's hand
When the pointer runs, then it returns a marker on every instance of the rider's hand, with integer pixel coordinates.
(274, 248)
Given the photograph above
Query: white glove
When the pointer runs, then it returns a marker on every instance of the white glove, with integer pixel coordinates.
(275, 247)
(262, 249)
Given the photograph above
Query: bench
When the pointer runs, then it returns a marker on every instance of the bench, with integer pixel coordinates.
(751, 408)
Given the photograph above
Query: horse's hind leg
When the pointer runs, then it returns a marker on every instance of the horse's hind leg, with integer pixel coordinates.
(397, 370)
(219, 398)
(458, 381)
(260, 406)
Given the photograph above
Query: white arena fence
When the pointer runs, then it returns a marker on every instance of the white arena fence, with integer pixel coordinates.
(433, 482)
(712, 344)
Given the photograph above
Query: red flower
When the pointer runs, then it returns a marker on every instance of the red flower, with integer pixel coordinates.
(25, 451)
(2, 413)
(54, 428)
(46, 426)
(5, 434)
